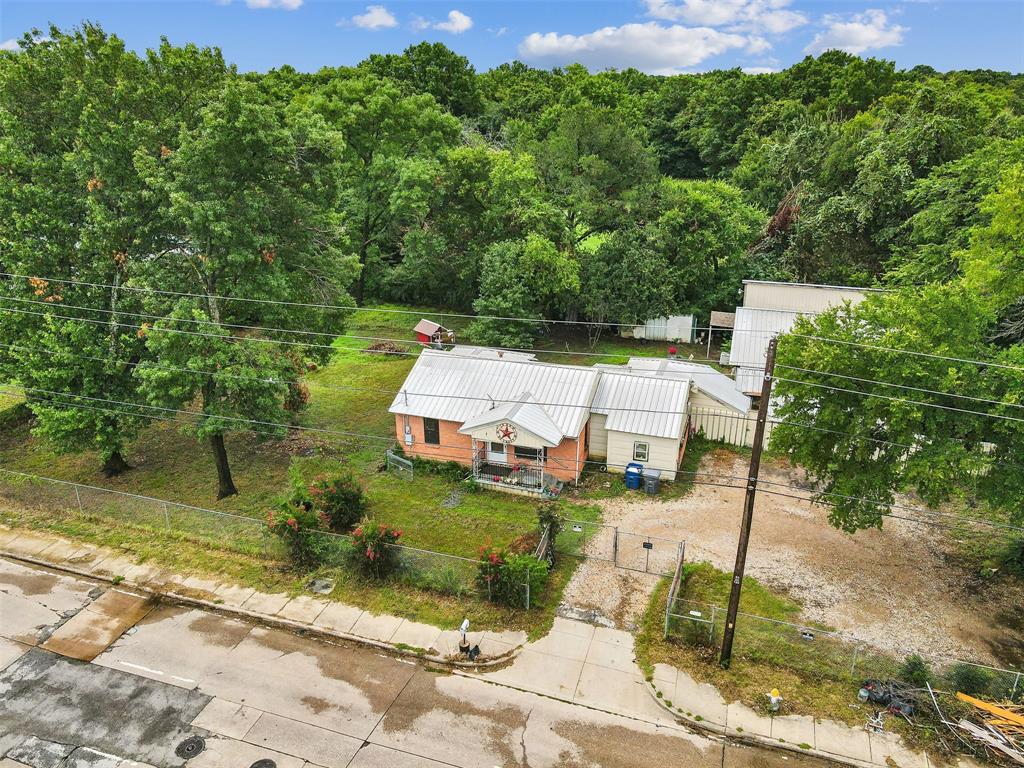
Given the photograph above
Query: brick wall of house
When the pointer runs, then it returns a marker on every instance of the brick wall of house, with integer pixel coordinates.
(562, 459)
(453, 447)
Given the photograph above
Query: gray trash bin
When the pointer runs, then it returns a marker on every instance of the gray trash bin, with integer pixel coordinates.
(652, 481)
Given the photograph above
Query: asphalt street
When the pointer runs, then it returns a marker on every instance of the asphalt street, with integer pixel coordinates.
(93, 676)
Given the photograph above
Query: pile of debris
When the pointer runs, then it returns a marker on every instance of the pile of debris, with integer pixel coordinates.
(997, 728)
(387, 348)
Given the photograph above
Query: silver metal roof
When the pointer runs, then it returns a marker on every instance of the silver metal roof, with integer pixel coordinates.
(525, 413)
(754, 329)
(659, 403)
(465, 350)
(456, 388)
(706, 379)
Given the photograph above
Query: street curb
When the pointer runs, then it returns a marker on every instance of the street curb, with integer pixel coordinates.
(753, 739)
(276, 621)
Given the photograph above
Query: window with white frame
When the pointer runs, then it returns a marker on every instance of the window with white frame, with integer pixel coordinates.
(640, 451)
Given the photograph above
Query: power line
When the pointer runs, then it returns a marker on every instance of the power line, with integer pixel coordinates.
(832, 374)
(462, 450)
(313, 345)
(902, 351)
(345, 308)
(106, 323)
(834, 388)
(606, 323)
(348, 388)
(393, 394)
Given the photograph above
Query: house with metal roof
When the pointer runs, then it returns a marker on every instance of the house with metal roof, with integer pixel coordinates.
(529, 426)
(516, 424)
(639, 419)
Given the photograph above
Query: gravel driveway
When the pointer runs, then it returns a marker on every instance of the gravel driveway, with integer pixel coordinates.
(893, 588)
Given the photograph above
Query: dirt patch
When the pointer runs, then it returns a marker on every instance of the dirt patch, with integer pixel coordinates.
(609, 594)
(893, 588)
(614, 745)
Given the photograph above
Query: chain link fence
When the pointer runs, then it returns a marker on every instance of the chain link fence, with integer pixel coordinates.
(446, 574)
(625, 549)
(819, 654)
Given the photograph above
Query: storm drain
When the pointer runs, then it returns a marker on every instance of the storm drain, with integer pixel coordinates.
(190, 747)
(264, 763)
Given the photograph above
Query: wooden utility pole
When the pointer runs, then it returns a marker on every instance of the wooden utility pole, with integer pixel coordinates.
(748, 504)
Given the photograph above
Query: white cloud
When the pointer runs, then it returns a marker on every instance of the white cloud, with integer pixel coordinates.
(457, 23)
(759, 70)
(650, 47)
(376, 17)
(857, 33)
(288, 5)
(9, 45)
(771, 16)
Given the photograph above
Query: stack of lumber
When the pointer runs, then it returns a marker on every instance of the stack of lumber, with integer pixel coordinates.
(999, 728)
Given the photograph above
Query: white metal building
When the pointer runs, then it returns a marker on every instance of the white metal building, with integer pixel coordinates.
(772, 308)
(675, 328)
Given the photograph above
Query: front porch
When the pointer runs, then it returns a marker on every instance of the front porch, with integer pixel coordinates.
(527, 478)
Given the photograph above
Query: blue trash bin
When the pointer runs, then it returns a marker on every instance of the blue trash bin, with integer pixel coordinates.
(634, 476)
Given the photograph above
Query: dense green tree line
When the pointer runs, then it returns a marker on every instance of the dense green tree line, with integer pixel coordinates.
(612, 196)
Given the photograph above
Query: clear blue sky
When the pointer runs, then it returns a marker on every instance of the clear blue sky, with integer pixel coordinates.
(654, 35)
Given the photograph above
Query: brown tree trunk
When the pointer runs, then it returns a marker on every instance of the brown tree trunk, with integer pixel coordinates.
(225, 485)
(115, 465)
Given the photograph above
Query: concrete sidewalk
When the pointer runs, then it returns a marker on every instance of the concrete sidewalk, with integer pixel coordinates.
(575, 662)
(308, 611)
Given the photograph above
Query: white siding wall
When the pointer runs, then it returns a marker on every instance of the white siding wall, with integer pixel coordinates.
(663, 453)
(798, 298)
(674, 328)
(726, 425)
(598, 436)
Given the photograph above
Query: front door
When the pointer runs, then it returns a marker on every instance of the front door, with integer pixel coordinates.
(496, 453)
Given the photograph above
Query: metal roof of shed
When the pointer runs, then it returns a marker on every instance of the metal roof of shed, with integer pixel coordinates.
(754, 329)
(659, 403)
(713, 383)
(428, 327)
(456, 388)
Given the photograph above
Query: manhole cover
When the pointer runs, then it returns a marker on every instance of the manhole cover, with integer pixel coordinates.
(265, 763)
(190, 747)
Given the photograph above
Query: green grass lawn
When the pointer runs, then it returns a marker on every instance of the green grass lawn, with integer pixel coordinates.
(351, 393)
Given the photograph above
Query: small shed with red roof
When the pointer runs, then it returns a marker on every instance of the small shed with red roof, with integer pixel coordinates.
(429, 332)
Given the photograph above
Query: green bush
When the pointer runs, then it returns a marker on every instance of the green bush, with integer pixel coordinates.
(504, 577)
(969, 679)
(301, 530)
(339, 500)
(372, 548)
(915, 670)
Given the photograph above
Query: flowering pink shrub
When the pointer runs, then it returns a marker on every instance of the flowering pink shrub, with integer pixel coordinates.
(372, 547)
(299, 527)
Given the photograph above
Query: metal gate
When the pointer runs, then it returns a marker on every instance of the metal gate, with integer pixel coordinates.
(625, 549)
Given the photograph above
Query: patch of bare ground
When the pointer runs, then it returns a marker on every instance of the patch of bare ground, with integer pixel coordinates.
(897, 588)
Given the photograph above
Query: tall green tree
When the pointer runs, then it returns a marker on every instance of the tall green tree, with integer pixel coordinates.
(74, 110)
(392, 144)
(527, 278)
(250, 211)
(435, 69)
(873, 384)
(595, 169)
